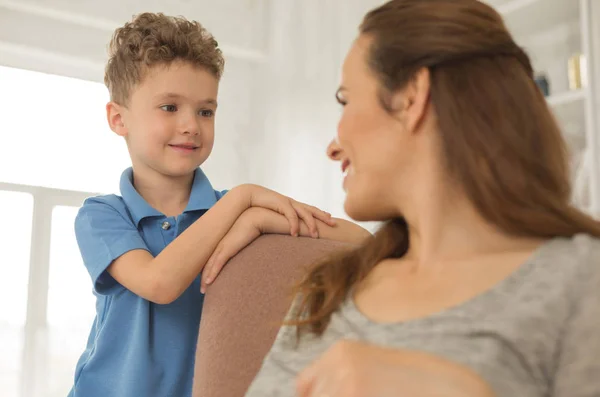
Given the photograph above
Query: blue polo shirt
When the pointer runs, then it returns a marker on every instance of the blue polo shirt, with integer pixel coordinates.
(136, 347)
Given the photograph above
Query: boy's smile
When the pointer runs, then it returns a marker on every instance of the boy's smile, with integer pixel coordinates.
(185, 148)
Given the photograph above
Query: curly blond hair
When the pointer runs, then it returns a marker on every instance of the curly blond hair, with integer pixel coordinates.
(157, 39)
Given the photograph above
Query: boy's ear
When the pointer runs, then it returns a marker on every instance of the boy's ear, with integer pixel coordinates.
(114, 116)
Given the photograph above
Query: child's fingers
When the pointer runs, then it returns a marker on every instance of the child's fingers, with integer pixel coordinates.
(219, 258)
(207, 271)
(319, 214)
(292, 216)
(330, 221)
(203, 284)
(265, 198)
(215, 269)
(322, 215)
(308, 218)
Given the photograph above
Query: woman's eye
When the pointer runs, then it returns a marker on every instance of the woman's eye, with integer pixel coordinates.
(207, 113)
(169, 108)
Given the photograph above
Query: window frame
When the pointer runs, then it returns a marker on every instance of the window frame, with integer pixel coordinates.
(44, 201)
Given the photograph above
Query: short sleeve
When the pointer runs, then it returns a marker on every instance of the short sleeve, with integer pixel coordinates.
(104, 234)
(220, 194)
(578, 368)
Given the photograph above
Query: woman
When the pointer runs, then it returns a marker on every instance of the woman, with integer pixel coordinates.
(485, 280)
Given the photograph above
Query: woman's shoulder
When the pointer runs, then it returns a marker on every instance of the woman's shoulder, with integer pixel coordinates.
(581, 252)
(572, 262)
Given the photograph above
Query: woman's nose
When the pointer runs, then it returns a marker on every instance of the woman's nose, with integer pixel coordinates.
(334, 150)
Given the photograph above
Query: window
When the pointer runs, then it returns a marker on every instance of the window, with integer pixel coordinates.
(61, 149)
(16, 209)
(61, 123)
(46, 301)
(71, 304)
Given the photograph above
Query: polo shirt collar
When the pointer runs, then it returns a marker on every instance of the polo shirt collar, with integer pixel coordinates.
(202, 196)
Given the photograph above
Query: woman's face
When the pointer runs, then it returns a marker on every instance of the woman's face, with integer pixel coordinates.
(377, 149)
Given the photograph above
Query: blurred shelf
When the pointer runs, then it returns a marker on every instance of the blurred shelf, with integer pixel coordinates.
(552, 31)
(524, 17)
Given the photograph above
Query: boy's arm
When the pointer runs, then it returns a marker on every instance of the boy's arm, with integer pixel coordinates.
(256, 221)
(163, 278)
(270, 222)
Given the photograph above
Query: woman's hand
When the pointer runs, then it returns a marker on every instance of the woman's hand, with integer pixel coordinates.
(356, 369)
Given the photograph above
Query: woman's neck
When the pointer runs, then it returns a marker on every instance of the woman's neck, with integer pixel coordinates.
(444, 226)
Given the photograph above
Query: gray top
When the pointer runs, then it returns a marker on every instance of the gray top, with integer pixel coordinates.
(536, 333)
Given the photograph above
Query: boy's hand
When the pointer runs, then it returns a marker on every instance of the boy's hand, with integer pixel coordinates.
(249, 226)
(244, 231)
(256, 221)
(290, 208)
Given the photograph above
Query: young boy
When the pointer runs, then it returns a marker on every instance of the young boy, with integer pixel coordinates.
(146, 248)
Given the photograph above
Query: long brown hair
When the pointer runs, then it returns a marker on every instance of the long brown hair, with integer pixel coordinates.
(499, 138)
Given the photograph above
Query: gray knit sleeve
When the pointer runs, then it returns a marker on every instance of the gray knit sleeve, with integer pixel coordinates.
(276, 377)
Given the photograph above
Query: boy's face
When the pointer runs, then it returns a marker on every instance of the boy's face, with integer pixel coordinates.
(170, 118)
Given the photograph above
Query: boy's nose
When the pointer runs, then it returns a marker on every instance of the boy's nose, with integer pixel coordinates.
(190, 131)
(190, 126)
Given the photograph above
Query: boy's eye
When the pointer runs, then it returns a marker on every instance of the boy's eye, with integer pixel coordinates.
(169, 108)
(207, 113)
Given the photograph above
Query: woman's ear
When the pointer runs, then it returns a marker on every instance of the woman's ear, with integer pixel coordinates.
(413, 100)
(114, 116)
